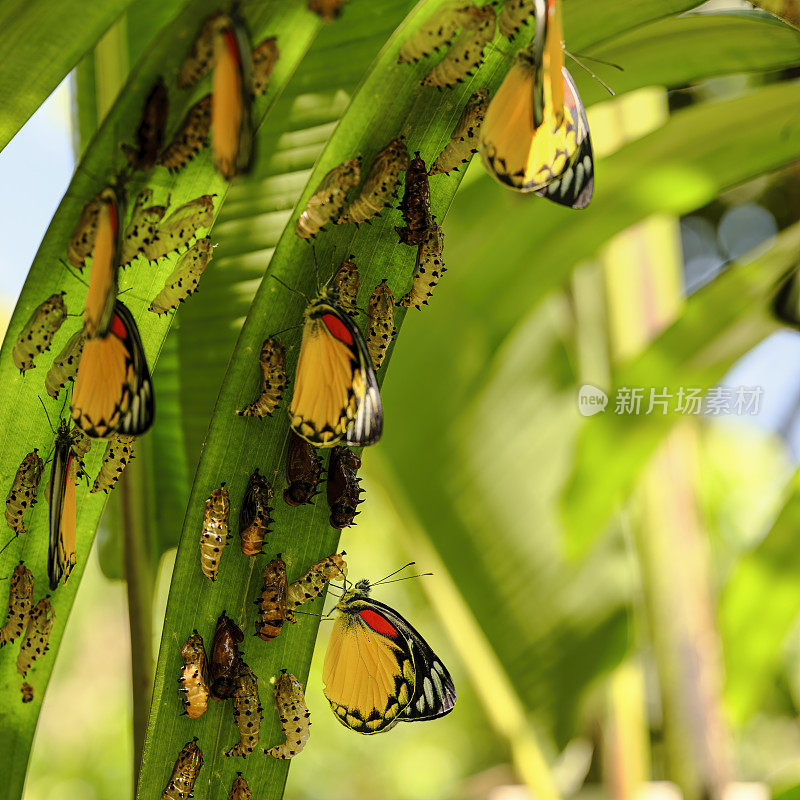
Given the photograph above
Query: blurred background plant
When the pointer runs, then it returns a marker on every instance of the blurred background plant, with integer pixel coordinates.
(618, 595)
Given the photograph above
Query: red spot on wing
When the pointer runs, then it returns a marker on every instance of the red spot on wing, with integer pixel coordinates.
(378, 623)
(229, 38)
(112, 216)
(337, 328)
(118, 328)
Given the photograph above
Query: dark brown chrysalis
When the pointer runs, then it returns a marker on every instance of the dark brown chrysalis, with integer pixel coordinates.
(20, 600)
(380, 323)
(215, 533)
(150, 133)
(255, 516)
(416, 203)
(294, 716)
(22, 494)
(190, 138)
(27, 692)
(194, 677)
(225, 657)
(240, 790)
(344, 487)
(273, 380)
(184, 773)
(34, 643)
(272, 601)
(303, 469)
(327, 9)
(246, 711)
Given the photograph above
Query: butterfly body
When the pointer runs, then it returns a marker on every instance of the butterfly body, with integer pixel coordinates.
(378, 670)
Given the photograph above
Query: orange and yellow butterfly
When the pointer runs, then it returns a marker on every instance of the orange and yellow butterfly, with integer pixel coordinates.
(336, 396)
(231, 123)
(535, 137)
(379, 670)
(112, 393)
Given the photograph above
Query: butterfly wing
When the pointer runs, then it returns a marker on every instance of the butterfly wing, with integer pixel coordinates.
(368, 671)
(575, 186)
(336, 394)
(61, 550)
(434, 693)
(113, 392)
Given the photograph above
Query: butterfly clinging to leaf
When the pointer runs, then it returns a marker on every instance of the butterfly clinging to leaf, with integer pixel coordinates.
(379, 670)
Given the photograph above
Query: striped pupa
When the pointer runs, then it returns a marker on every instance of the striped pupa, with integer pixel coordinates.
(311, 583)
(183, 280)
(215, 533)
(22, 494)
(37, 334)
(293, 714)
(65, 365)
(464, 139)
(37, 634)
(427, 271)
(255, 516)
(273, 380)
(272, 600)
(184, 774)
(326, 204)
(380, 322)
(119, 451)
(20, 601)
(194, 677)
(246, 712)
(190, 138)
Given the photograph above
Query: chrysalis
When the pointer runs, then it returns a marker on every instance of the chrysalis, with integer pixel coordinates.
(225, 657)
(303, 469)
(428, 269)
(37, 334)
(81, 242)
(464, 139)
(327, 9)
(65, 365)
(255, 516)
(37, 634)
(514, 14)
(240, 790)
(182, 281)
(141, 230)
(272, 600)
(326, 204)
(416, 204)
(184, 773)
(201, 59)
(27, 692)
(265, 56)
(294, 716)
(273, 380)
(150, 133)
(246, 711)
(22, 494)
(437, 31)
(190, 138)
(380, 323)
(380, 184)
(194, 677)
(311, 583)
(20, 600)
(215, 534)
(181, 226)
(466, 52)
(346, 281)
(344, 487)
(119, 452)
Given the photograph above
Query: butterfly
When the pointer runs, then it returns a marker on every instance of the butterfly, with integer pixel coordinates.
(113, 392)
(70, 447)
(336, 395)
(379, 670)
(231, 123)
(535, 137)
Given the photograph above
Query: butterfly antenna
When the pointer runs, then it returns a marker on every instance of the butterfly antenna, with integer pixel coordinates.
(596, 77)
(49, 422)
(597, 60)
(316, 267)
(407, 578)
(290, 288)
(72, 272)
(15, 536)
(405, 566)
